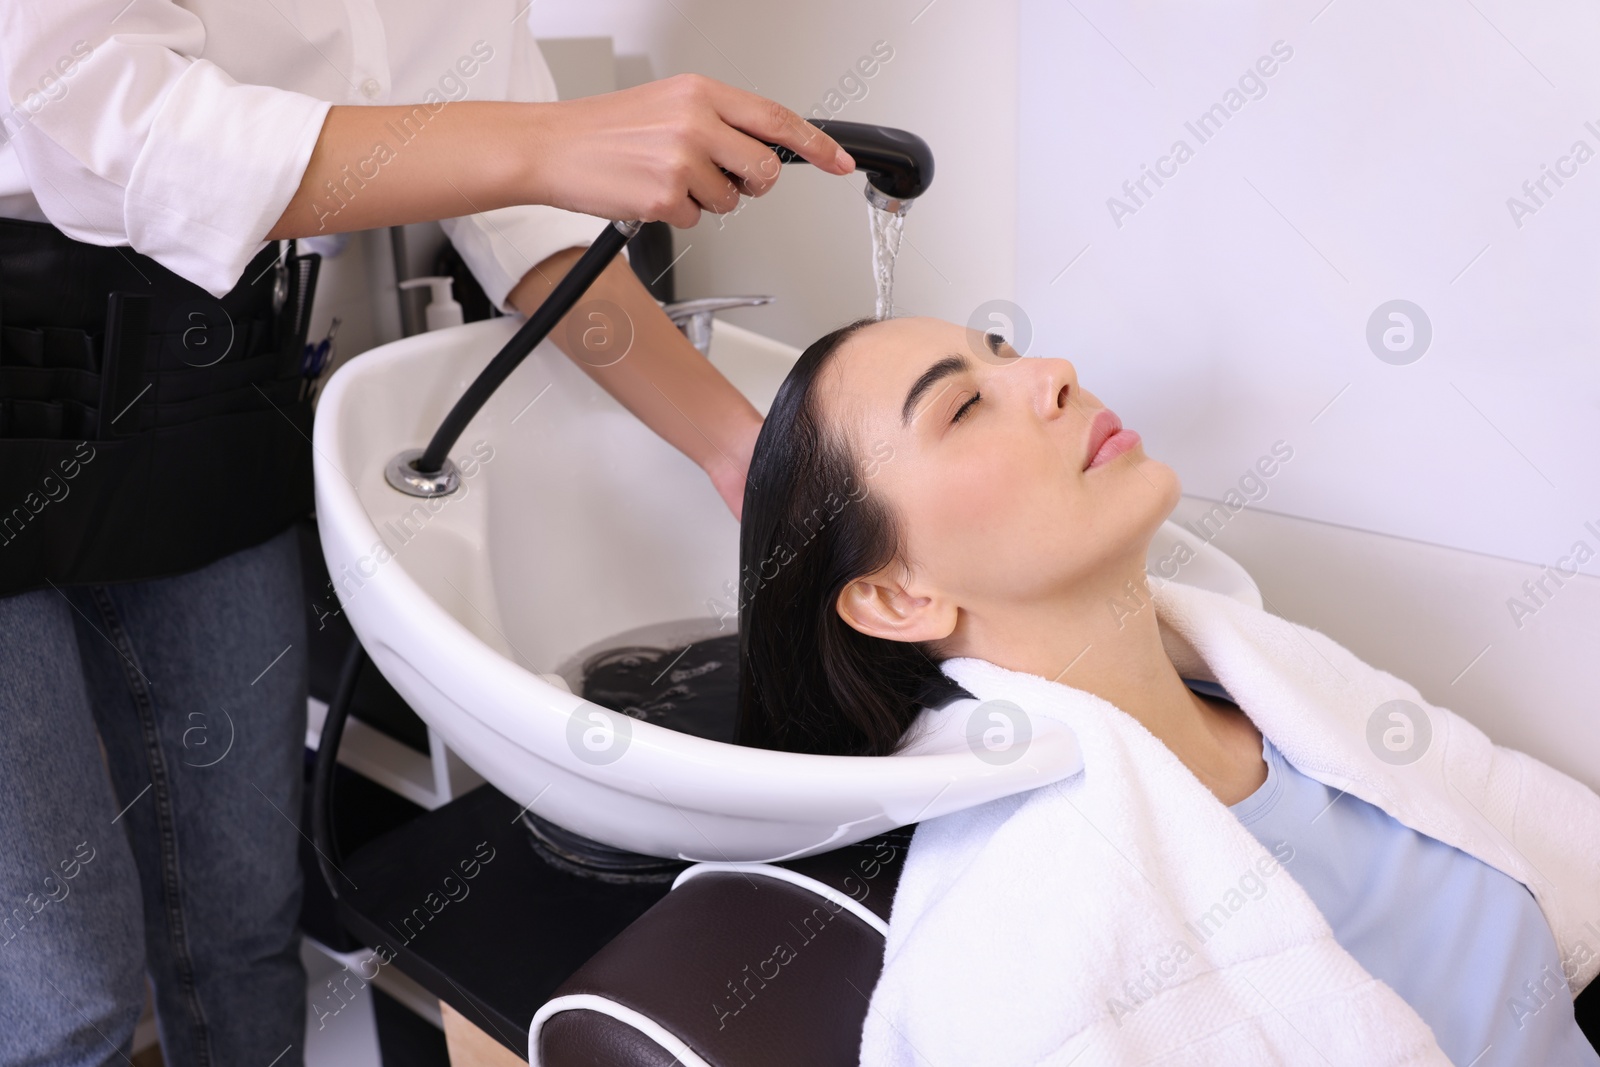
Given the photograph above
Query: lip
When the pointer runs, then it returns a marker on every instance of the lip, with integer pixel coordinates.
(1102, 428)
(1108, 439)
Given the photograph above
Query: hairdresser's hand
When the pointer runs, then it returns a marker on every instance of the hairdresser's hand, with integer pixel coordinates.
(658, 151)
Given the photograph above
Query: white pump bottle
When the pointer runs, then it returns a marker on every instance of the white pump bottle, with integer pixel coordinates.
(442, 310)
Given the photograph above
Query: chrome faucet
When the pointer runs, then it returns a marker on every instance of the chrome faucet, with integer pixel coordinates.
(693, 317)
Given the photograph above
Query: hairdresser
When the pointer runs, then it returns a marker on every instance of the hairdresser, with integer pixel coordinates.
(157, 162)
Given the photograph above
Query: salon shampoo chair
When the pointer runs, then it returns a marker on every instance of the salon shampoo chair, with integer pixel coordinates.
(752, 965)
(739, 965)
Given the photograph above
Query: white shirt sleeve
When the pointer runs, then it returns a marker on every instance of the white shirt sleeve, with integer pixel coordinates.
(501, 246)
(126, 138)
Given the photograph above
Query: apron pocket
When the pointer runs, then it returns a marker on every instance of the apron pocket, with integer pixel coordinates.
(48, 346)
(160, 503)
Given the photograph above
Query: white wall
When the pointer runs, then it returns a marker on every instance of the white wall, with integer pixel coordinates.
(1226, 308)
(952, 80)
(1230, 308)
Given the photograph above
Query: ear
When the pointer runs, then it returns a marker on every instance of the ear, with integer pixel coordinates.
(878, 605)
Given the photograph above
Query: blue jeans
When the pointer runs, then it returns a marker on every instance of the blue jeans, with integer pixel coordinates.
(175, 850)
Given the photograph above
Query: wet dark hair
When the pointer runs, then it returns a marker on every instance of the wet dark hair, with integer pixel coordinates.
(808, 680)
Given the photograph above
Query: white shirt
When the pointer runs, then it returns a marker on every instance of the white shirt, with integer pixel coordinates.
(183, 128)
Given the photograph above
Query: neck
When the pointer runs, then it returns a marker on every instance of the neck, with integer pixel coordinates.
(1101, 636)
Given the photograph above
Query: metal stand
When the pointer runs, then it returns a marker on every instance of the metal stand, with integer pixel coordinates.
(562, 849)
(586, 858)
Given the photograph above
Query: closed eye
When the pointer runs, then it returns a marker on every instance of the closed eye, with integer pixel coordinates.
(961, 411)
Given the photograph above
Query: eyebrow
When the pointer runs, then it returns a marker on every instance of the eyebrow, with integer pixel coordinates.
(951, 364)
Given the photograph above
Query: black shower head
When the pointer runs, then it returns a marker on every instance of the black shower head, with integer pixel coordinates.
(898, 165)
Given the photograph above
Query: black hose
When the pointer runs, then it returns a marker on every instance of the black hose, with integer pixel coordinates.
(566, 293)
(323, 836)
(897, 164)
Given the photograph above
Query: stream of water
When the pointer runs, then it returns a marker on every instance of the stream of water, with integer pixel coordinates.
(886, 229)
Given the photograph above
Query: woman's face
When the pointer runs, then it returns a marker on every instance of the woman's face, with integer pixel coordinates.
(982, 456)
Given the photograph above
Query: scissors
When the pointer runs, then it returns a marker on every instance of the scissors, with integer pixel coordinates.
(314, 361)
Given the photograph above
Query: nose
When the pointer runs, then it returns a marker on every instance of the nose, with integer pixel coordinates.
(1056, 391)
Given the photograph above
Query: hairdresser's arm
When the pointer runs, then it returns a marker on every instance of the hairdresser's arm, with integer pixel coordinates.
(663, 379)
(656, 151)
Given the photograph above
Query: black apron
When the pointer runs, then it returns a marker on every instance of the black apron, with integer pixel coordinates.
(147, 428)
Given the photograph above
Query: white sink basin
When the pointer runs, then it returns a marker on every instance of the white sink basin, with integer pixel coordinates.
(574, 526)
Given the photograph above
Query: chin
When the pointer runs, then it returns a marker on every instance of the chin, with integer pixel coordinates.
(1167, 488)
(1135, 466)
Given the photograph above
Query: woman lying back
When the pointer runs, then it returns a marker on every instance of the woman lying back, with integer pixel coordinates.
(921, 497)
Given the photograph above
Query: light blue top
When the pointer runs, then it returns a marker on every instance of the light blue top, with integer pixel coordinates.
(1464, 944)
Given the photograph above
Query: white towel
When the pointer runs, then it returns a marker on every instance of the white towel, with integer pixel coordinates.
(1115, 917)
